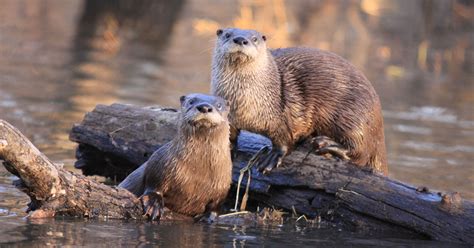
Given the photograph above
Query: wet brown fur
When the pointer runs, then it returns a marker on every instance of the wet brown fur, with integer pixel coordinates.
(192, 171)
(290, 94)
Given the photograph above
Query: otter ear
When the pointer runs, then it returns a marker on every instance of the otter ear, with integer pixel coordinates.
(219, 32)
(264, 37)
(181, 99)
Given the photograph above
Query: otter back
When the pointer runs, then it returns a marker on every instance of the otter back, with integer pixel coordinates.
(323, 94)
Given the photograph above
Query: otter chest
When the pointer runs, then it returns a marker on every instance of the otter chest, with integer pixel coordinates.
(248, 110)
(201, 181)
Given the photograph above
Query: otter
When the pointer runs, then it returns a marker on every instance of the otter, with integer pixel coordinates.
(293, 94)
(191, 174)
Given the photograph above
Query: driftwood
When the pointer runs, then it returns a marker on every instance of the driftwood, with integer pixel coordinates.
(55, 191)
(114, 140)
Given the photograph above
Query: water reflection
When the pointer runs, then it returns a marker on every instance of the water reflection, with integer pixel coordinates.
(116, 41)
(58, 59)
(72, 232)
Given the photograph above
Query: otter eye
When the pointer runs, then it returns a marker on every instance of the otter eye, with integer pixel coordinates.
(264, 37)
(254, 39)
(227, 36)
(191, 102)
(219, 106)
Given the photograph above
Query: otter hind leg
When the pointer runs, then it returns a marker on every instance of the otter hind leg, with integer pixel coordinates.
(325, 145)
(153, 204)
(207, 217)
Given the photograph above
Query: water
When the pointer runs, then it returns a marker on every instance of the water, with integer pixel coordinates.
(58, 59)
(120, 233)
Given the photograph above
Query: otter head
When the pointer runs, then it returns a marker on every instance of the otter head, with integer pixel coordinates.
(202, 111)
(239, 45)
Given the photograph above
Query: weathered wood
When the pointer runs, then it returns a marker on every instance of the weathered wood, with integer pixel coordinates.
(114, 140)
(55, 191)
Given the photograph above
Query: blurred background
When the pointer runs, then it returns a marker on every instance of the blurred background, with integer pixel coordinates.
(58, 59)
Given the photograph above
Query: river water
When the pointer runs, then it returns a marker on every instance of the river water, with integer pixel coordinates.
(58, 59)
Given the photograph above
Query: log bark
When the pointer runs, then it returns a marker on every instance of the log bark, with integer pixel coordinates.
(114, 140)
(56, 191)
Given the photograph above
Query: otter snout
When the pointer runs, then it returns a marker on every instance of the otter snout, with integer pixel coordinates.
(204, 108)
(240, 41)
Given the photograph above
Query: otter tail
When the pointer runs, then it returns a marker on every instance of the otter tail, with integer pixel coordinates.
(135, 182)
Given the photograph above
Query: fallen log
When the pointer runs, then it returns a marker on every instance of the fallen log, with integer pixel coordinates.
(55, 191)
(114, 140)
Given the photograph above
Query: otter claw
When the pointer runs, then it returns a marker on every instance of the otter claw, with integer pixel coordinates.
(335, 151)
(269, 160)
(325, 145)
(153, 204)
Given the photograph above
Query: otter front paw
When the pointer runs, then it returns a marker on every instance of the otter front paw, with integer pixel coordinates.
(325, 145)
(153, 204)
(267, 158)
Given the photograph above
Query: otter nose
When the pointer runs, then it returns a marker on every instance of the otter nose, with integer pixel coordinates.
(204, 108)
(241, 41)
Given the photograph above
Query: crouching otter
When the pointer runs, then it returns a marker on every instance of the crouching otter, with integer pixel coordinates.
(191, 174)
(291, 94)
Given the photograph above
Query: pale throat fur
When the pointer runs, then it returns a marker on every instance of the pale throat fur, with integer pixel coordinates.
(238, 83)
(217, 143)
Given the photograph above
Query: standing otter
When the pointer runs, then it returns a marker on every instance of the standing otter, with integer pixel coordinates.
(191, 173)
(291, 94)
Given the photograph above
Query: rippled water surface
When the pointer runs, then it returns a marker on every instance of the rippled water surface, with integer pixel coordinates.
(58, 59)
